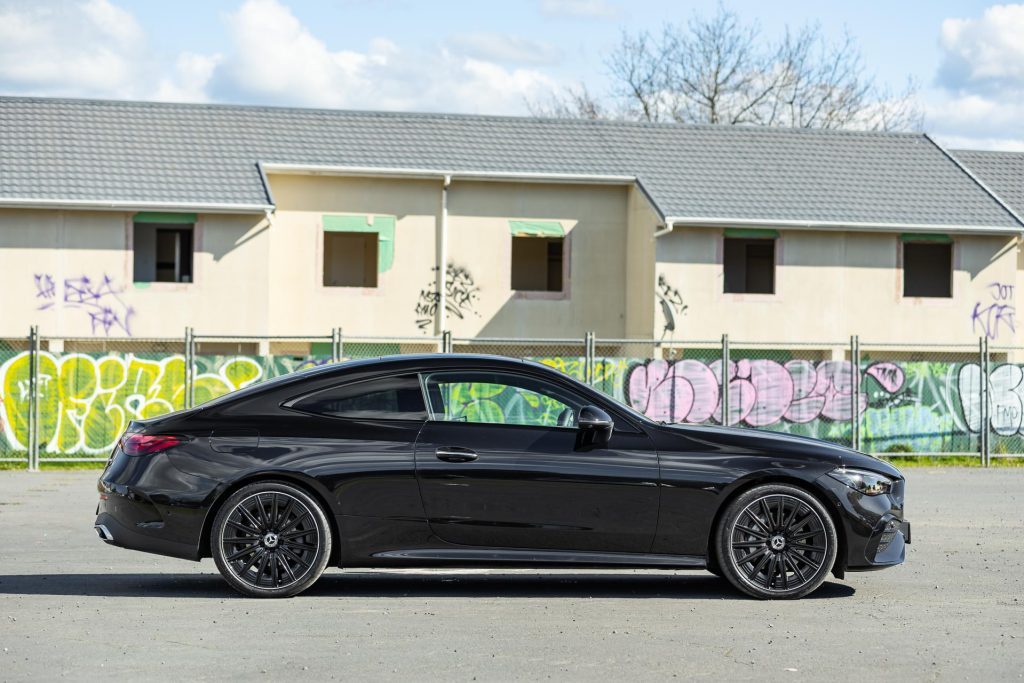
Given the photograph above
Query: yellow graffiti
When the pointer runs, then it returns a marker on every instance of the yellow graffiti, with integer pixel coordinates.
(85, 402)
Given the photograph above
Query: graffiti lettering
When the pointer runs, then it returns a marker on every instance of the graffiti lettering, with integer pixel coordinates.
(100, 299)
(991, 318)
(461, 295)
(671, 302)
(761, 392)
(86, 400)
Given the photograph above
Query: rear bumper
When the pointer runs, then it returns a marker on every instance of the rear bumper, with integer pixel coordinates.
(113, 532)
(147, 504)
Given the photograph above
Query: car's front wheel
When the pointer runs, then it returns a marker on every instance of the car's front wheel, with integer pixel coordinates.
(776, 541)
(270, 540)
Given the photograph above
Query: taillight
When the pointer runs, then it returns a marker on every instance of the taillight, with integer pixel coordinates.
(148, 444)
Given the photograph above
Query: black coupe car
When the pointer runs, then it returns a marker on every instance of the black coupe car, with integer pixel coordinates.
(463, 460)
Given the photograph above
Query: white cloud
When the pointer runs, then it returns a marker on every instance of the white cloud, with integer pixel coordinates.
(589, 9)
(504, 48)
(94, 48)
(192, 73)
(984, 52)
(70, 48)
(979, 101)
(275, 59)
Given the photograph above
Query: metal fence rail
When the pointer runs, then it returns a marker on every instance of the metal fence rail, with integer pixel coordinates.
(69, 400)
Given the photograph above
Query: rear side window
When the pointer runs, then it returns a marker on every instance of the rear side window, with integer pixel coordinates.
(387, 398)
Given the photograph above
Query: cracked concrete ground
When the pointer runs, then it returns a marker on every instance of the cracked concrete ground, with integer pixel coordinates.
(72, 606)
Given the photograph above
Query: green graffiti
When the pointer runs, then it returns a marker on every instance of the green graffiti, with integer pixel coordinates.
(87, 400)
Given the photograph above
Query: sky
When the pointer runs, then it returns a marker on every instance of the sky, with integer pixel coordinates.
(487, 56)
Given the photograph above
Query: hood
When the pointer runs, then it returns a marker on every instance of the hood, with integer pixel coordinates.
(762, 442)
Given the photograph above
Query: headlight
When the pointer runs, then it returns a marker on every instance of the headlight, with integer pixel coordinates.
(868, 483)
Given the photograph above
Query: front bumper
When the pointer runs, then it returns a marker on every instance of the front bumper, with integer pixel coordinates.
(874, 527)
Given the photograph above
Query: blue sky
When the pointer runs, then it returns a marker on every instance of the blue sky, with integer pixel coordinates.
(483, 57)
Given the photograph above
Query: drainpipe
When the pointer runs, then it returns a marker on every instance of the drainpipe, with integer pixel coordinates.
(440, 319)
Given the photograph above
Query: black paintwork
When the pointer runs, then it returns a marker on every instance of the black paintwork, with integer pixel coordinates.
(647, 495)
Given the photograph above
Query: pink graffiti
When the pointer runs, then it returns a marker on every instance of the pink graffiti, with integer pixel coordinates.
(761, 392)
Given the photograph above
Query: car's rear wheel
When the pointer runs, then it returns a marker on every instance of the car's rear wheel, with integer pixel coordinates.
(776, 541)
(270, 540)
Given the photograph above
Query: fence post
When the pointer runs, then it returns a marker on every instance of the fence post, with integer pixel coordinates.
(446, 341)
(984, 426)
(588, 362)
(33, 399)
(335, 344)
(189, 360)
(725, 380)
(855, 406)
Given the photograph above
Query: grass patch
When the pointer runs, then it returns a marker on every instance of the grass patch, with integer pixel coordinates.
(949, 461)
(56, 466)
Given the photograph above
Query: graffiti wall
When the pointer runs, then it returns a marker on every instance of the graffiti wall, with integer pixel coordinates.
(86, 400)
(902, 406)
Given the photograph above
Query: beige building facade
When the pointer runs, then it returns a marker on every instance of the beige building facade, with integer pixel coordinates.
(293, 223)
(621, 273)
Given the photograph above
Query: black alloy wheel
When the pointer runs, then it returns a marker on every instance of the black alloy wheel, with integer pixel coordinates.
(776, 541)
(271, 539)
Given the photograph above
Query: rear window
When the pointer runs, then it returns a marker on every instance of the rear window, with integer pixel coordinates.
(386, 398)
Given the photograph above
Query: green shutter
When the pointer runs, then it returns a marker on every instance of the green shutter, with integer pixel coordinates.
(536, 229)
(926, 237)
(165, 217)
(384, 226)
(752, 233)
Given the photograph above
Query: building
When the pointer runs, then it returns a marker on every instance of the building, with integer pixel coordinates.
(130, 219)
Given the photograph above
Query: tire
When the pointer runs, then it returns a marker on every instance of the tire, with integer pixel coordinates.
(776, 542)
(270, 540)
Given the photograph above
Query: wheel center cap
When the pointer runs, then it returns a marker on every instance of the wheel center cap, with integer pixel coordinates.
(270, 539)
(778, 542)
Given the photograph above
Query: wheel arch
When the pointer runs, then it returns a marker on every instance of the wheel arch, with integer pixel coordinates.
(838, 568)
(307, 485)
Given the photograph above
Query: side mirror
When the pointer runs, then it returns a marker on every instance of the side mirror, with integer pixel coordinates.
(595, 427)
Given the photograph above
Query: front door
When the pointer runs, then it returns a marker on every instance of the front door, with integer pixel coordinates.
(499, 465)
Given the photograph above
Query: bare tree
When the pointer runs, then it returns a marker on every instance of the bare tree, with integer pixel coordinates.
(720, 70)
(574, 102)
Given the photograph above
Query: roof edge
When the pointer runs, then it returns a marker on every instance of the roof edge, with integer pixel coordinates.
(439, 174)
(710, 222)
(128, 205)
(970, 174)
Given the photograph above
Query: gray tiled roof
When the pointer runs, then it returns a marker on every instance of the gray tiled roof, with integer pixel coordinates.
(67, 150)
(1002, 172)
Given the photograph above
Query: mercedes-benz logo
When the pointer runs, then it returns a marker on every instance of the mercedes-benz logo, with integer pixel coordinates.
(270, 540)
(778, 542)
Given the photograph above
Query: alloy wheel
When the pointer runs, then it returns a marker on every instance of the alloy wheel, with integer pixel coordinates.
(778, 543)
(270, 540)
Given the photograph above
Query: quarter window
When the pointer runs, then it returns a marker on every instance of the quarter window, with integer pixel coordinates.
(390, 398)
(500, 398)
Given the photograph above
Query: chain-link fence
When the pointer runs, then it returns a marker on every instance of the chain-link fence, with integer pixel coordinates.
(15, 406)
(70, 399)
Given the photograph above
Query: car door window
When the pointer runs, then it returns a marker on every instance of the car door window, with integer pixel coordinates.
(386, 398)
(500, 398)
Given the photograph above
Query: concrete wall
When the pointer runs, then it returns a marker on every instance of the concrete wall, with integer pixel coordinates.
(481, 300)
(830, 285)
(71, 273)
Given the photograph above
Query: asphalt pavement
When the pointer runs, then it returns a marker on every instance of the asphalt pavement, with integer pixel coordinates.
(71, 606)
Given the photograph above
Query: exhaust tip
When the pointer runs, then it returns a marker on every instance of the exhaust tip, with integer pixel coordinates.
(103, 532)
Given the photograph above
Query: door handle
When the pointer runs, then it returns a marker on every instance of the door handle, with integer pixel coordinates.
(455, 454)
